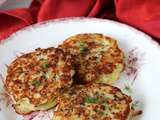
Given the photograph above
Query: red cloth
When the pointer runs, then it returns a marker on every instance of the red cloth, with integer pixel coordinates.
(142, 14)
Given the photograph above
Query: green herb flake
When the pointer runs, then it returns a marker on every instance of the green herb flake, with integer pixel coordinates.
(91, 100)
(45, 64)
(36, 83)
(81, 46)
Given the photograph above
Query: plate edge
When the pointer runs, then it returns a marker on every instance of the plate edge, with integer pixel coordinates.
(69, 19)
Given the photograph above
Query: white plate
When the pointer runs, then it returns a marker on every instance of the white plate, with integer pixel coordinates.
(145, 87)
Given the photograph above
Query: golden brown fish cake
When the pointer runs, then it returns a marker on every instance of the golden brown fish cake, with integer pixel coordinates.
(93, 102)
(98, 57)
(35, 79)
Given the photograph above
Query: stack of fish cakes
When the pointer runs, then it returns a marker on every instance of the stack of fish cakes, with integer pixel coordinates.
(73, 77)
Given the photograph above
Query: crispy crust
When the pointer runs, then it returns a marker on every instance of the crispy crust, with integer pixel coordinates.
(39, 76)
(93, 101)
(96, 55)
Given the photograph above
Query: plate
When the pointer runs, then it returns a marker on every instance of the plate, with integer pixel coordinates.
(140, 78)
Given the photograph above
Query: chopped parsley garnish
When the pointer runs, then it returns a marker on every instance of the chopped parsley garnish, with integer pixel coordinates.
(45, 64)
(91, 100)
(81, 46)
(36, 83)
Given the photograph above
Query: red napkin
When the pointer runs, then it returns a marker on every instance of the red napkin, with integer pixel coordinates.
(142, 14)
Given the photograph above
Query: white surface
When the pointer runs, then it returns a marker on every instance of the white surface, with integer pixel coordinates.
(146, 87)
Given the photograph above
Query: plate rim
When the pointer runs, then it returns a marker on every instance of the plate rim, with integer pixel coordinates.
(82, 19)
(68, 19)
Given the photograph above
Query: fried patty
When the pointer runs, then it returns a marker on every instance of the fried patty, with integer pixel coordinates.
(98, 57)
(35, 79)
(93, 102)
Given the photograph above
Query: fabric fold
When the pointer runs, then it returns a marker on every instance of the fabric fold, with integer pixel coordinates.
(142, 14)
(11, 21)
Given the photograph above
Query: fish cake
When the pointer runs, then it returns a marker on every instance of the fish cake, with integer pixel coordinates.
(35, 79)
(98, 57)
(95, 101)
